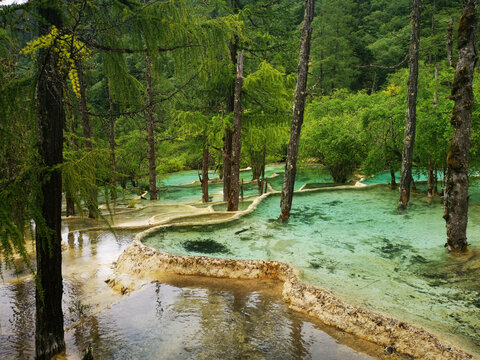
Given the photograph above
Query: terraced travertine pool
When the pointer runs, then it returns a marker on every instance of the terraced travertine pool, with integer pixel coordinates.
(355, 243)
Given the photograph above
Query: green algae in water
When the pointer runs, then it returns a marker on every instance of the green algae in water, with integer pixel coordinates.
(355, 243)
(205, 246)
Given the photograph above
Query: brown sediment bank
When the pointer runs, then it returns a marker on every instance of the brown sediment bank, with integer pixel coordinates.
(139, 264)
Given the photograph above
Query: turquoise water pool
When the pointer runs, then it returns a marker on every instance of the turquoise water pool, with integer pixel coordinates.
(356, 244)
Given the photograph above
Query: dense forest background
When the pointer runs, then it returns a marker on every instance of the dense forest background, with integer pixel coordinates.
(357, 87)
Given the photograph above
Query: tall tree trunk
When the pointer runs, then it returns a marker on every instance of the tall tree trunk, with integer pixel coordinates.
(111, 140)
(456, 187)
(228, 138)
(68, 196)
(297, 112)
(92, 198)
(49, 335)
(152, 170)
(227, 162)
(205, 175)
(411, 117)
(237, 137)
(111, 134)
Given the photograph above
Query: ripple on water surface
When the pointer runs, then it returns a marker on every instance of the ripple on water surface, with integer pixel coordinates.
(356, 244)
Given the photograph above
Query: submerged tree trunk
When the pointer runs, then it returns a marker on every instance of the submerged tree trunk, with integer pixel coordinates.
(237, 137)
(297, 112)
(92, 203)
(456, 186)
(411, 117)
(393, 181)
(70, 204)
(430, 179)
(261, 180)
(227, 162)
(204, 179)
(49, 335)
(152, 170)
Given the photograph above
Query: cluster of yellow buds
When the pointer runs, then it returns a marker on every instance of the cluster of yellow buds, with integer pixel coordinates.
(67, 47)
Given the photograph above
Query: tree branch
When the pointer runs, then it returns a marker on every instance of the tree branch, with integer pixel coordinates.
(133, 51)
(386, 67)
(271, 3)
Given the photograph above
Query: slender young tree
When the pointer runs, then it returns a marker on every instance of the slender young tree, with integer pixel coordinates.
(49, 335)
(237, 137)
(456, 185)
(111, 133)
(152, 169)
(87, 134)
(228, 137)
(204, 177)
(297, 112)
(411, 117)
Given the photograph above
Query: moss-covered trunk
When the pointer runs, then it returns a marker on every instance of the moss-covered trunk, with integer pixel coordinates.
(456, 186)
(49, 335)
(297, 112)
(411, 117)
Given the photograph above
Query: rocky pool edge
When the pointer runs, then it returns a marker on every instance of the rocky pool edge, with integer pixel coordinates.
(139, 264)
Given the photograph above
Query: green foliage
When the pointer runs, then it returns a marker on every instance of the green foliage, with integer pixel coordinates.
(332, 133)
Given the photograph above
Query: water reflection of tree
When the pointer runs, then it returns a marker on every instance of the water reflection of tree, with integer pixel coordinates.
(23, 308)
(242, 324)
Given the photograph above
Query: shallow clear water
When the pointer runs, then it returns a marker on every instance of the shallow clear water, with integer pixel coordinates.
(184, 186)
(182, 318)
(356, 244)
(176, 318)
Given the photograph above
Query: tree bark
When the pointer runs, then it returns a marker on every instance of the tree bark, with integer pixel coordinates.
(152, 170)
(456, 187)
(49, 335)
(297, 112)
(228, 138)
(411, 117)
(205, 175)
(237, 137)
